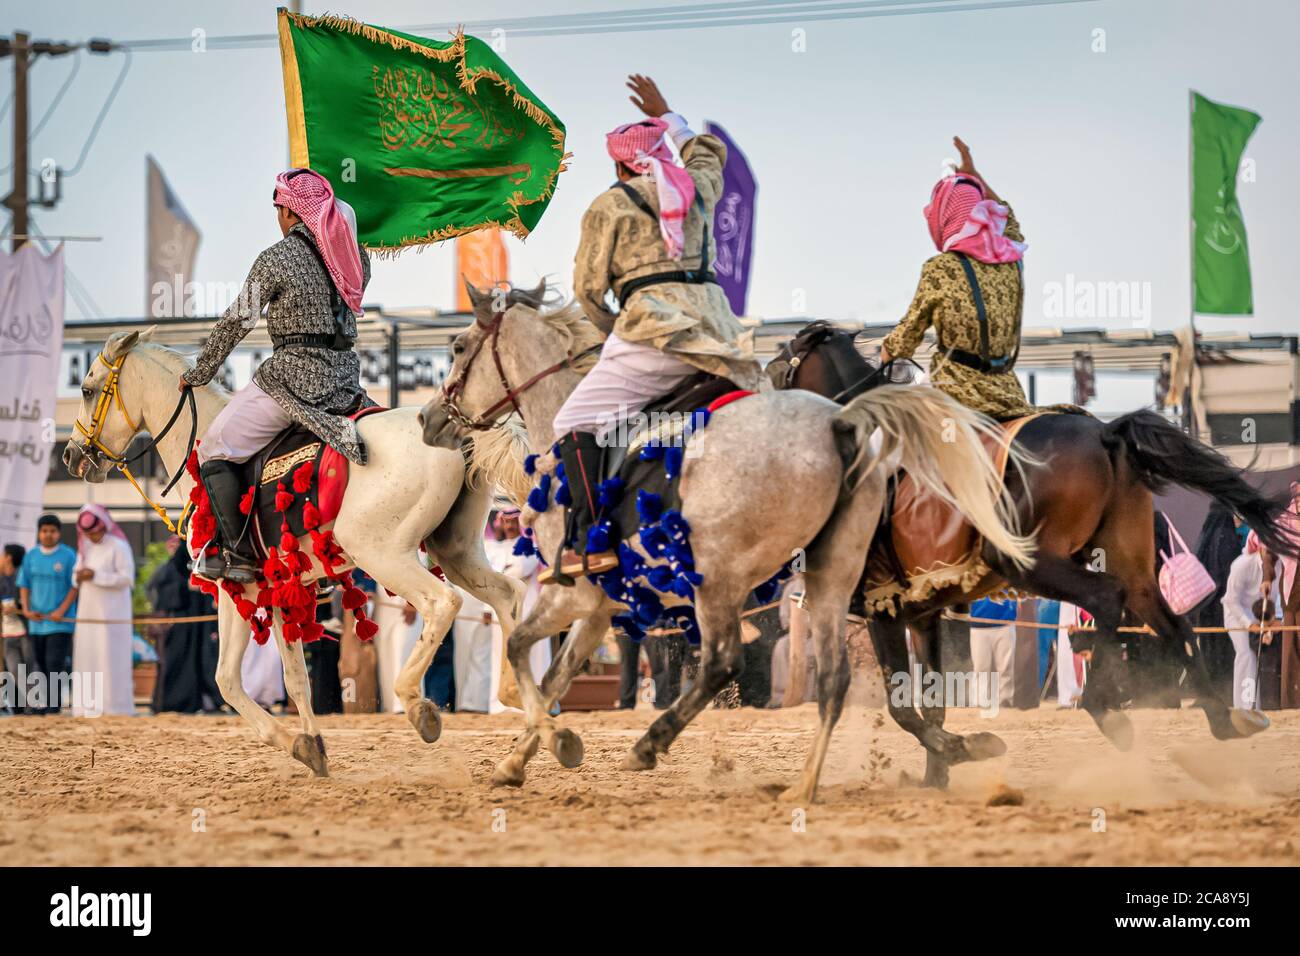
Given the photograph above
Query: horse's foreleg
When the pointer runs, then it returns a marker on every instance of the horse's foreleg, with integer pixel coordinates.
(556, 609)
(720, 663)
(308, 746)
(234, 633)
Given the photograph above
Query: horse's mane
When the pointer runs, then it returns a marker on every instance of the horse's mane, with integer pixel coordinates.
(579, 332)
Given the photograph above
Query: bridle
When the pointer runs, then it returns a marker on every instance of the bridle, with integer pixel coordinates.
(818, 334)
(487, 419)
(110, 396)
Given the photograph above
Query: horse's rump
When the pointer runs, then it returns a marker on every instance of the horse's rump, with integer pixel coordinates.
(927, 540)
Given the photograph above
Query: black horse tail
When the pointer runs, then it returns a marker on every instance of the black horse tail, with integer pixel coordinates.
(1161, 453)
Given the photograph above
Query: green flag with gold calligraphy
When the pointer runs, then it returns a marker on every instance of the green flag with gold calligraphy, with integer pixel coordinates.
(425, 140)
(1220, 257)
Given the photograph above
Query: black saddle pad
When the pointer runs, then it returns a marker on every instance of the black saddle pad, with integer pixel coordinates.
(658, 470)
(272, 470)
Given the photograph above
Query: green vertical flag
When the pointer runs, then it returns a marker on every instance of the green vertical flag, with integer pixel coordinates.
(1220, 259)
(425, 140)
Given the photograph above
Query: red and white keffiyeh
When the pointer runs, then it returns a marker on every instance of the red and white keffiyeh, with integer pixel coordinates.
(309, 196)
(962, 220)
(643, 148)
(93, 517)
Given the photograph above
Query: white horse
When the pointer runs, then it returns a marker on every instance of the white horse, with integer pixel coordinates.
(408, 493)
(772, 476)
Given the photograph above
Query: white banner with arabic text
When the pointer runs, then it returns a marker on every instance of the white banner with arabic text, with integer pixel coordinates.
(31, 344)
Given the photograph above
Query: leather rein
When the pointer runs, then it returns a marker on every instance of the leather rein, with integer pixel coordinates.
(111, 396)
(488, 419)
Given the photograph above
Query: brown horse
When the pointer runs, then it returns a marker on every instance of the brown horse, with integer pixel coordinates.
(1090, 500)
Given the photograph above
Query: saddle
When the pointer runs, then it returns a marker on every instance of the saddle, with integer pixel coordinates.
(296, 461)
(654, 473)
(924, 544)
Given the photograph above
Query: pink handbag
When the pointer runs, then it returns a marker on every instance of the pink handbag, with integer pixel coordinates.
(1183, 579)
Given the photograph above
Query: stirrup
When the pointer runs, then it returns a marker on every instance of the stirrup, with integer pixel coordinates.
(239, 568)
(572, 565)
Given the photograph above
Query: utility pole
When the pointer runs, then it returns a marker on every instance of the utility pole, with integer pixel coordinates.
(18, 197)
(22, 49)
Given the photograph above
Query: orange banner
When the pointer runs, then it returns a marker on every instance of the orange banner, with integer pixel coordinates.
(482, 259)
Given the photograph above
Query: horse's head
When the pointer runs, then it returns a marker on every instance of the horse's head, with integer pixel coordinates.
(513, 344)
(108, 419)
(825, 359)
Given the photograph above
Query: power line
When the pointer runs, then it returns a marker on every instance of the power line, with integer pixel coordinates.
(99, 120)
(686, 17)
(58, 97)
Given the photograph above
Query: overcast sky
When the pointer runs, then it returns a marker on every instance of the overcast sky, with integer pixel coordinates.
(846, 139)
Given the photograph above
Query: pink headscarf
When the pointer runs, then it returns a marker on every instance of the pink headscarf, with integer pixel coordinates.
(962, 220)
(309, 196)
(91, 517)
(642, 148)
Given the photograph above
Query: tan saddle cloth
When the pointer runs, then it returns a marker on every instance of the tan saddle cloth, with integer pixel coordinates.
(928, 545)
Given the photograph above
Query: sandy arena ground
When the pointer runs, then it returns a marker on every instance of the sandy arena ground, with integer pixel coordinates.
(135, 791)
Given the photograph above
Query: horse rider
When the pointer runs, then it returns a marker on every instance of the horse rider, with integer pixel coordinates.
(310, 283)
(972, 292)
(647, 239)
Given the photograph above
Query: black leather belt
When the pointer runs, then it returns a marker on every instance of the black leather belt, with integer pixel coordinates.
(311, 340)
(971, 360)
(639, 283)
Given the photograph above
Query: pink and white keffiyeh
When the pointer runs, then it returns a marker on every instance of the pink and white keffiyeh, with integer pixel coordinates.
(962, 220)
(92, 517)
(309, 196)
(643, 148)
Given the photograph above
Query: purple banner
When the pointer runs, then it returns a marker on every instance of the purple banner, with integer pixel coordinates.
(733, 222)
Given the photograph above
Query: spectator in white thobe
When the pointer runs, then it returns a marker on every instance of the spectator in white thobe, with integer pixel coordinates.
(104, 573)
(1069, 668)
(399, 626)
(479, 644)
(1239, 600)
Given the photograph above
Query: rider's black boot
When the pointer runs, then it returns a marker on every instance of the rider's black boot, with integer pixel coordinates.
(581, 456)
(224, 481)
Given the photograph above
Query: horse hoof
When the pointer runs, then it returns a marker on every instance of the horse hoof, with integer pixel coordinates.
(1118, 729)
(983, 746)
(795, 796)
(1248, 722)
(636, 760)
(567, 747)
(423, 716)
(311, 751)
(506, 775)
(936, 772)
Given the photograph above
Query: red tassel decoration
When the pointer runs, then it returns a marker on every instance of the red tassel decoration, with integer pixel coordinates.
(291, 631)
(310, 516)
(246, 502)
(302, 476)
(353, 598)
(366, 630)
(283, 499)
(312, 632)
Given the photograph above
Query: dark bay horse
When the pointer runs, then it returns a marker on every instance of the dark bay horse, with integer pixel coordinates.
(1090, 500)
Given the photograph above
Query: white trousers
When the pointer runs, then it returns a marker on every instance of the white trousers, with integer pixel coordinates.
(1245, 669)
(244, 427)
(993, 651)
(627, 377)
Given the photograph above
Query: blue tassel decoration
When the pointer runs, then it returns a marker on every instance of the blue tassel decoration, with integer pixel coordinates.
(598, 537)
(673, 461)
(524, 546)
(530, 464)
(539, 499)
(609, 492)
(562, 496)
(648, 506)
(651, 452)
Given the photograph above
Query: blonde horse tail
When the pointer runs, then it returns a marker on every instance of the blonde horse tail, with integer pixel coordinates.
(497, 457)
(937, 442)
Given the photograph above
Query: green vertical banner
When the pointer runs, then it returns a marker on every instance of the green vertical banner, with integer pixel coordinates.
(1220, 258)
(426, 140)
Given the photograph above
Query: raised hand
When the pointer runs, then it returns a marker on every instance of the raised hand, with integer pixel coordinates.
(967, 165)
(646, 96)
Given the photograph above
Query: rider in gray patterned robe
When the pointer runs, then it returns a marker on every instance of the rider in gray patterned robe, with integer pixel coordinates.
(312, 383)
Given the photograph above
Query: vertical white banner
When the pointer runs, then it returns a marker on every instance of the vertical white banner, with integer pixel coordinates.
(31, 343)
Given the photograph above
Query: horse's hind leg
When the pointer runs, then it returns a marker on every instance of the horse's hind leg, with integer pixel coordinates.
(889, 638)
(234, 633)
(835, 560)
(1101, 594)
(308, 746)
(943, 748)
(720, 663)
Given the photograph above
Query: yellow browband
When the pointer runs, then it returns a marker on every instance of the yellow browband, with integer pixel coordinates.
(111, 394)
